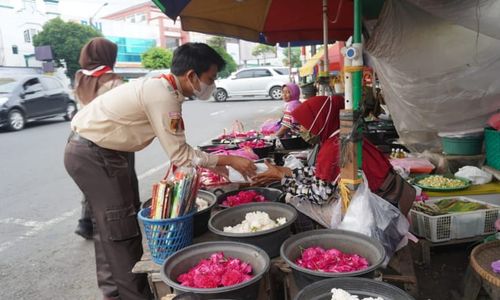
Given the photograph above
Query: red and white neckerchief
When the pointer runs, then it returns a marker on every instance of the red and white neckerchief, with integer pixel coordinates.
(170, 78)
(97, 72)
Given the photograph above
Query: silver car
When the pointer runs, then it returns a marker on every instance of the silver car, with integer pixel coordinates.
(253, 82)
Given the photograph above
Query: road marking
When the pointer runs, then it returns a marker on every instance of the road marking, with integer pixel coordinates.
(36, 227)
(217, 112)
(153, 170)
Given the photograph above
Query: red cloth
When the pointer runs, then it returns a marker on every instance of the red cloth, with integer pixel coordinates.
(375, 165)
(307, 112)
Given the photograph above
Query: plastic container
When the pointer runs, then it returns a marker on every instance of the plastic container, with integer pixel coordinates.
(462, 146)
(200, 218)
(361, 287)
(188, 257)
(213, 148)
(268, 240)
(273, 195)
(492, 141)
(345, 241)
(263, 152)
(295, 143)
(455, 225)
(167, 236)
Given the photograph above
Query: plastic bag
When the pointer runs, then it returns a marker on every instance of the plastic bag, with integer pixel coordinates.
(373, 216)
(292, 162)
(474, 174)
(270, 127)
(235, 176)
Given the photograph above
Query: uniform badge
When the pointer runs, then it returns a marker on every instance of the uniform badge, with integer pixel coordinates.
(176, 122)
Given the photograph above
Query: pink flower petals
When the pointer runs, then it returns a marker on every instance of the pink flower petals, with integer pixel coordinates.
(216, 271)
(210, 178)
(253, 144)
(331, 260)
(243, 197)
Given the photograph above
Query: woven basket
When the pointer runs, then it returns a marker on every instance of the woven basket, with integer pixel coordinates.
(481, 258)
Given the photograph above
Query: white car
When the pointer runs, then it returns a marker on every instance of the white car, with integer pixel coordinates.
(254, 82)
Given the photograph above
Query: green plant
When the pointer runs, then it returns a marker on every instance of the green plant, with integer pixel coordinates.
(157, 58)
(66, 40)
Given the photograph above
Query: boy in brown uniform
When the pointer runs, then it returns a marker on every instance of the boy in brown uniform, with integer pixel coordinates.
(127, 119)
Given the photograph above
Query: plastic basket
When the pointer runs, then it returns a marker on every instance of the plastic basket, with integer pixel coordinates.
(462, 146)
(456, 225)
(165, 237)
(492, 141)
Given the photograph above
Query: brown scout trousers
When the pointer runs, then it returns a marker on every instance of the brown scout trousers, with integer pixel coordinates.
(105, 178)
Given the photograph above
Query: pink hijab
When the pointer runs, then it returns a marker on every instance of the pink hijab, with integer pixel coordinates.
(294, 102)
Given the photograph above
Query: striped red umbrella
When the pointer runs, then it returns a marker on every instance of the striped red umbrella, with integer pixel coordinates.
(269, 21)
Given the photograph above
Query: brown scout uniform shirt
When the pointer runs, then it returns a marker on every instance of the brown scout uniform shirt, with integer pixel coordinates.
(128, 118)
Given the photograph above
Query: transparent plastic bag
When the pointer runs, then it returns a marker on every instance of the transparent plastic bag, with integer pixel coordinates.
(373, 216)
(328, 215)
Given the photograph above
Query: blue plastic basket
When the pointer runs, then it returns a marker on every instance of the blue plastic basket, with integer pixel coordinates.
(167, 236)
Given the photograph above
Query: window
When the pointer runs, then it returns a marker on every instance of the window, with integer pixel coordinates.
(244, 74)
(131, 19)
(172, 42)
(29, 34)
(51, 83)
(130, 49)
(282, 71)
(140, 18)
(27, 37)
(15, 50)
(261, 73)
(33, 85)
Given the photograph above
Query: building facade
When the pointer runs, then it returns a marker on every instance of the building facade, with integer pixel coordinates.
(169, 32)
(19, 21)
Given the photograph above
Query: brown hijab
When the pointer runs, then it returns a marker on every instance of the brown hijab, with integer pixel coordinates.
(97, 60)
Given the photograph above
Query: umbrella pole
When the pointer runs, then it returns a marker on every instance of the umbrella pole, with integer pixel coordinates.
(325, 72)
(350, 136)
(290, 62)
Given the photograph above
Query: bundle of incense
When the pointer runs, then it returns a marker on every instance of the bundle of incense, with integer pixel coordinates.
(176, 196)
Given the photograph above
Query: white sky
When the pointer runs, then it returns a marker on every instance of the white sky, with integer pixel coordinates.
(87, 8)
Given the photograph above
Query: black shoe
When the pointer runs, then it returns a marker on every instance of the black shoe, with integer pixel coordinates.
(85, 229)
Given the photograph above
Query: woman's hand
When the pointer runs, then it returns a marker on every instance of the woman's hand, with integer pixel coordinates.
(273, 173)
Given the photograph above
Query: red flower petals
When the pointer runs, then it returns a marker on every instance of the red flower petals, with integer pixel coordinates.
(331, 260)
(243, 197)
(216, 271)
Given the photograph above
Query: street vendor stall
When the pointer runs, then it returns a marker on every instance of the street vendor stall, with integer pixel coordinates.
(373, 230)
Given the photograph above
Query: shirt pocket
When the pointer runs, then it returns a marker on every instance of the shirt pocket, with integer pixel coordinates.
(122, 223)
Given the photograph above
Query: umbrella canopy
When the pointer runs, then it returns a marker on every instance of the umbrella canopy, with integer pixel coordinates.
(335, 59)
(275, 20)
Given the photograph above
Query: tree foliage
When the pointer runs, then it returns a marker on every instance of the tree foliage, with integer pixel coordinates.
(157, 58)
(261, 50)
(295, 57)
(231, 65)
(66, 40)
(217, 42)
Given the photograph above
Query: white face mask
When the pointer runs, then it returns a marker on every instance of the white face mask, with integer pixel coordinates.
(205, 90)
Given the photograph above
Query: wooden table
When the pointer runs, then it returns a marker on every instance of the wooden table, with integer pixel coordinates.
(279, 283)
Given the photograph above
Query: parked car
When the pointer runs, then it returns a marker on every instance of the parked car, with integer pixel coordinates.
(258, 81)
(33, 98)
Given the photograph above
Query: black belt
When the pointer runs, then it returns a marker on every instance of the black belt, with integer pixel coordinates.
(74, 136)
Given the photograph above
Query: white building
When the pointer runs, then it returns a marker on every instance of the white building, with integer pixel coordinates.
(20, 20)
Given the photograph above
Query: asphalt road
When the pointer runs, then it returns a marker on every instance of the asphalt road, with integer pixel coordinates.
(40, 256)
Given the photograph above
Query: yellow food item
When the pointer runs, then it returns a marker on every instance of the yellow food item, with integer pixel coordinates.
(438, 181)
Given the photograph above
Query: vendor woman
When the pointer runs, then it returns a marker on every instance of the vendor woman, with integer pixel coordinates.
(319, 123)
